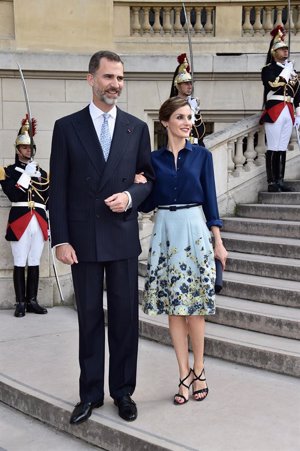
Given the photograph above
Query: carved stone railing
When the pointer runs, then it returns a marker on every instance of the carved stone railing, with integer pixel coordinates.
(169, 20)
(214, 20)
(260, 20)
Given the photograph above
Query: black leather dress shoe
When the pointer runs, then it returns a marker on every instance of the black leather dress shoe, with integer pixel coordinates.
(33, 306)
(20, 310)
(83, 411)
(127, 408)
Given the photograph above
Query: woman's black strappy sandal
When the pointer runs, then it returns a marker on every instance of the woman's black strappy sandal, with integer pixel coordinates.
(178, 395)
(202, 390)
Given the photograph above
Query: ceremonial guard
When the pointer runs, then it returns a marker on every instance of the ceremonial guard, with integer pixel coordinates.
(182, 86)
(281, 98)
(26, 186)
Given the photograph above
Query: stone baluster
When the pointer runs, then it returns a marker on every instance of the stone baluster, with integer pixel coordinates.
(290, 23)
(230, 155)
(208, 27)
(268, 22)
(247, 27)
(250, 153)
(293, 144)
(260, 147)
(279, 16)
(239, 158)
(198, 27)
(257, 26)
(298, 20)
(188, 23)
(136, 26)
(167, 26)
(156, 26)
(146, 27)
(177, 23)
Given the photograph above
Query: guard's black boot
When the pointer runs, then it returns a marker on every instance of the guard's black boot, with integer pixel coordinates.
(19, 285)
(32, 305)
(272, 169)
(282, 158)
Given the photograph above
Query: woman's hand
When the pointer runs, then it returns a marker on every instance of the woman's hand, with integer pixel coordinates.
(221, 253)
(219, 249)
(139, 178)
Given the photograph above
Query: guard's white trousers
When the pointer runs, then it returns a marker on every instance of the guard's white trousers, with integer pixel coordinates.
(279, 133)
(30, 246)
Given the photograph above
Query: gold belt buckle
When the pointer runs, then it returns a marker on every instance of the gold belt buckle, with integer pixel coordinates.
(31, 204)
(287, 99)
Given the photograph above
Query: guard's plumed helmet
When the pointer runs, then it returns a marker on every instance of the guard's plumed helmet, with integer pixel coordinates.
(23, 137)
(183, 70)
(181, 74)
(278, 38)
(277, 42)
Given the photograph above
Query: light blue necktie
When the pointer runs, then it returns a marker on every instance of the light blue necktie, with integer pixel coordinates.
(105, 138)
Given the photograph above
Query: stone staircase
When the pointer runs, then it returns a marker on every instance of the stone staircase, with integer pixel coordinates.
(258, 315)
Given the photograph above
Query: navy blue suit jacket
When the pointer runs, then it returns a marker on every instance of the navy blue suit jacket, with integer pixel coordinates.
(80, 180)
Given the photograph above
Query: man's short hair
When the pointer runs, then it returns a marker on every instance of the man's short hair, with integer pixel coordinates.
(96, 58)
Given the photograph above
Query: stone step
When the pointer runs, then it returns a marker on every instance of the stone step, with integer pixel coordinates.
(294, 184)
(261, 289)
(39, 377)
(265, 211)
(265, 227)
(262, 245)
(255, 349)
(279, 198)
(261, 265)
(250, 315)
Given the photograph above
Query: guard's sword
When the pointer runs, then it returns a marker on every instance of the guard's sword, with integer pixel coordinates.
(32, 154)
(28, 109)
(190, 44)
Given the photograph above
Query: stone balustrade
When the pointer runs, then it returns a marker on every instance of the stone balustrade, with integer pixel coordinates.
(260, 20)
(162, 19)
(169, 20)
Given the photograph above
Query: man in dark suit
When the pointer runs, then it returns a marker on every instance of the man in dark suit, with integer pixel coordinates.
(94, 227)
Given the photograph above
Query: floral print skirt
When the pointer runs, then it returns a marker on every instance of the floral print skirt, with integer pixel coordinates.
(181, 271)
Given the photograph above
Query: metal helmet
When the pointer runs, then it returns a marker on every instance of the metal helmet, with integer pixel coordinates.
(278, 38)
(23, 137)
(181, 74)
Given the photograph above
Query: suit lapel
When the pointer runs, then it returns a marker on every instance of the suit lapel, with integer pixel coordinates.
(87, 134)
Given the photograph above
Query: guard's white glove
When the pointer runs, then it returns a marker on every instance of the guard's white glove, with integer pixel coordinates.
(30, 168)
(30, 171)
(287, 71)
(297, 122)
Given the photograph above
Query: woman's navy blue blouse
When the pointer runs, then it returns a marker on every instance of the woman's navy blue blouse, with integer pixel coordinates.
(191, 182)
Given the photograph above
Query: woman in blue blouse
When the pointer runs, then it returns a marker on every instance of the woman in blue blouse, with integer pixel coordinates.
(181, 265)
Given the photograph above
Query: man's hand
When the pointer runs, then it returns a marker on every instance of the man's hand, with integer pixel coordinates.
(117, 202)
(65, 253)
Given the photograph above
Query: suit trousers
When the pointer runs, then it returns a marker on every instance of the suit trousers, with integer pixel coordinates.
(122, 311)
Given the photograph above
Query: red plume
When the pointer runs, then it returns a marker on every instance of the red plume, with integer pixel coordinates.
(33, 123)
(277, 29)
(181, 58)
